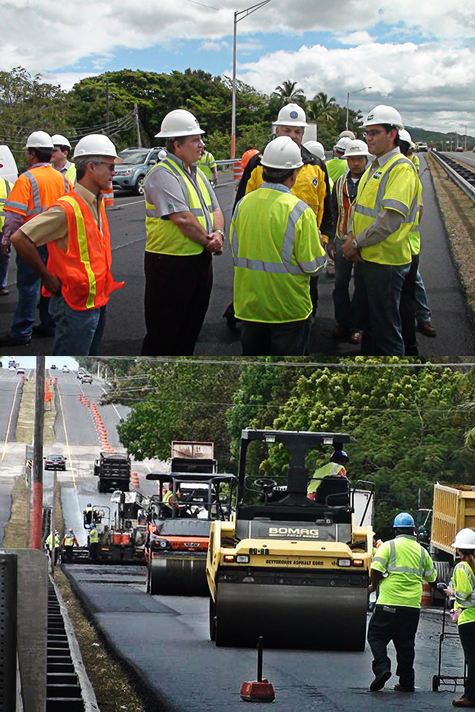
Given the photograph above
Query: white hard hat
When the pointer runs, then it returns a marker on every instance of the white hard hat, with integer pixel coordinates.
(356, 148)
(291, 115)
(39, 139)
(342, 143)
(383, 114)
(179, 123)
(59, 140)
(316, 148)
(162, 155)
(347, 134)
(464, 539)
(404, 135)
(96, 145)
(282, 153)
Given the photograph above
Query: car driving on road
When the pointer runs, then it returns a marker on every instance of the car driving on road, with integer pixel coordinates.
(136, 163)
(55, 462)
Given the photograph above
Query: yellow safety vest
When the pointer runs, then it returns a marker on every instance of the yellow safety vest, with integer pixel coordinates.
(275, 245)
(207, 163)
(335, 168)
(407, 563)
(331, 468)
(93, 536)
(49, 541)
(415, 235)
(416, 161)
(163, 236)
(463, 584)
(5, 188)
(395, 186)
(68, 539)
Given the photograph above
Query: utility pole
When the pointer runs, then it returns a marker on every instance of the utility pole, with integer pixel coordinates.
(107, 107)
(53, 522)
(137, 126)
(37, 519)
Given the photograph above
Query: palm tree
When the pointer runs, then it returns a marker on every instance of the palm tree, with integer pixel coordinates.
(288, 93)
(322, 109)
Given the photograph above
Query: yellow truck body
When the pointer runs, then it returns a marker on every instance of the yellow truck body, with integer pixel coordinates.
(453, 509)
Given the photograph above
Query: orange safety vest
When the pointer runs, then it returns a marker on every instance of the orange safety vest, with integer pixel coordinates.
(344, 207)
(84, 269)
(35, 190)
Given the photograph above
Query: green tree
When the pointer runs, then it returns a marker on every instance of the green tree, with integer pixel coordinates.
(287, 93)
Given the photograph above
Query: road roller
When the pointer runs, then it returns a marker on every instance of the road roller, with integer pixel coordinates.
(287, 567)
(178, 524)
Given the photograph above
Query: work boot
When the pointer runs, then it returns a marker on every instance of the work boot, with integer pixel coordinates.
(380, 680)
(7, 340)
(426, 328)
(340, 332)
(463, 702)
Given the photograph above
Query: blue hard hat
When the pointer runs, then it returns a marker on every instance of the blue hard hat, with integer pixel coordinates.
(403, 519)
(339, 455)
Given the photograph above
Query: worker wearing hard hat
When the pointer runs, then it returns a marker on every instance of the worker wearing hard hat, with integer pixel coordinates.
(462, 587)
(316, 148)
(5, 189)
(337, 165)
(93, 542)
(52, 544)
(68, 543)
(34, 191)
(185, 227)
(335, 468)
(76, 231)
(343, 199)
(276, 247)
(208, 165)
(59, 158)
(384, 215)
(398, 570)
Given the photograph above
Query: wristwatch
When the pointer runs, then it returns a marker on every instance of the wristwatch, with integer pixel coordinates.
(355, 244)
(221, 233)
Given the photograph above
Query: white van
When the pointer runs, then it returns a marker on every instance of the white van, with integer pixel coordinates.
(8, 167)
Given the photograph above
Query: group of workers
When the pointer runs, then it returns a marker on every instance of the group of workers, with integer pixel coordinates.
(294, 213)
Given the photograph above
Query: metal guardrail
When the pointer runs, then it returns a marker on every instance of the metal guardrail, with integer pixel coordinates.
(462, 177)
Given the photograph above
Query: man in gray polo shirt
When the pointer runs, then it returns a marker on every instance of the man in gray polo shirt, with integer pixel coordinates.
(185, 227)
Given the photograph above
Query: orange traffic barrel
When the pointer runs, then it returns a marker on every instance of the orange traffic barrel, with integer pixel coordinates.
(117, 538)
(427, 595)
(125, 538)
(237, 169)
(108, 199)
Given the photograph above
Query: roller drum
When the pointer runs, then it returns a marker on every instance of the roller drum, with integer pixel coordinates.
(178, 576)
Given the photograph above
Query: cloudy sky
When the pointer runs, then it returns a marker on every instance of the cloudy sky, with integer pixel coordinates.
(418, 55)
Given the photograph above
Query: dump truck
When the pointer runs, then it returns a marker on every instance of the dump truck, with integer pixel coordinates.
(192, 456)
(291, 569)
(113, 470)
(453, 509)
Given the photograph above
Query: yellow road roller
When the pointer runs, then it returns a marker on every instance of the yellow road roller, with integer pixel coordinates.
(287, 567)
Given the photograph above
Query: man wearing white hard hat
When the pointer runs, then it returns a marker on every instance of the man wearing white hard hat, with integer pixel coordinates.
(185, 227)
(76, 230)
(34, 191)
(276, 248)
(59, 159)
(337, 165)
(384, 215)
(344, 193)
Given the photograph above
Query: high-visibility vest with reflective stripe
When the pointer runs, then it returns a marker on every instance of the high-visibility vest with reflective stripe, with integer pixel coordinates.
(49, 541)
(35, 190)
(84, 270)
(393, 186)
(330, 469)
(463, 585)
(416, 161)
(5, 189)
(344, 207)
(207, 163)
(275, 245)
(407, 564)
(415, 235)
(336, 167)
(93, 536)
(69, 539)
(163, 236)
(71, 174)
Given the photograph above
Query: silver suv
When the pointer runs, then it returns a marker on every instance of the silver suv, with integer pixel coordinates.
(136, 163)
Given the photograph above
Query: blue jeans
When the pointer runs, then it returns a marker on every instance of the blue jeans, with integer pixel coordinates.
(28, 284)
(423, 313)
(78, 332)
(287, 339)
(377, 297)
(345, 308)
(4, 262)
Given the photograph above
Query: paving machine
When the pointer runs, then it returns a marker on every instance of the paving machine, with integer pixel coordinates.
(179, 520)
(288, 568)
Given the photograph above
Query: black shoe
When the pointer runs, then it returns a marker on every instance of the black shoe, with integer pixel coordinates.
(7, 340)
(426, 328)
(403, 688)
(40, 332)
(380, 680)
(4, 292)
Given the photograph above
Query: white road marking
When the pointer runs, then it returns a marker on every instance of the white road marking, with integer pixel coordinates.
(9, 422)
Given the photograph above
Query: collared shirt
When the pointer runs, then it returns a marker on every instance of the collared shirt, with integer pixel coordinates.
(13, 221)
(52, 225)
(276, 186)
(164, 191)
(64, 169)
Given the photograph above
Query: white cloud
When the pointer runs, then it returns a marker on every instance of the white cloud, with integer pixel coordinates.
(356, 38)
(213, 46)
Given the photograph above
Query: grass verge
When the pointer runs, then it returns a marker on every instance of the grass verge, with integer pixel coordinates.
(26, 415)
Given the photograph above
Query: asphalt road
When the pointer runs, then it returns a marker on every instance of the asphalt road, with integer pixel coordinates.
(10, 388)
(125, 326)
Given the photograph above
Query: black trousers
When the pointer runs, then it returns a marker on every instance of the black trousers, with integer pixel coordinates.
(399, 624)
(177, 293)
(407, 309)
(68, 550)
(467, 638)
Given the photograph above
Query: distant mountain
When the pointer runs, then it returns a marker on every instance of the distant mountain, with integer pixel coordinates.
(435, 138)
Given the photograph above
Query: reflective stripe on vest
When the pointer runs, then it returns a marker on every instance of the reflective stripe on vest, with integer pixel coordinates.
(392, 568)
(68, 540)
(464, 599)
(71, 173)
(93, 536)
(395, 204)
(344, 207)
(163, 236)
(37, 207)
(5, 188)
(83, 250)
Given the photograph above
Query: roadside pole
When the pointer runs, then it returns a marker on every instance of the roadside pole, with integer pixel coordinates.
(37, 523)
(53, 524)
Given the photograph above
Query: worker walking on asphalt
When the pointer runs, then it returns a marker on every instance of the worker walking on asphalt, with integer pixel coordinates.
(76, 230)
(185, 227)
(276, 247)
(5, 189)
(209, 167)
(59, 157)
(397, 571)
(68, 543)
(462, 587)
(52, 545)
(385, 213)
(93, 542)
(34, 191)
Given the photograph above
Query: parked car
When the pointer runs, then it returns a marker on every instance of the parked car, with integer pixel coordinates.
(459, 149)
(422, 146)
(20, 372)
(55, 462)
(136, 163)
(80, 373)
(86, 378)
(65, 369)
(53, 366)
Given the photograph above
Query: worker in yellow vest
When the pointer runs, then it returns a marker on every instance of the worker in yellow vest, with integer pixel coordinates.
(208, 165)
(185, 227)
(52, 545)
(337, 165)
(5, 188)
(335, 468)
(68, 543)
(93, 542)
(384, 215)
(59, 157)
(398, 569)
(276, 247)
